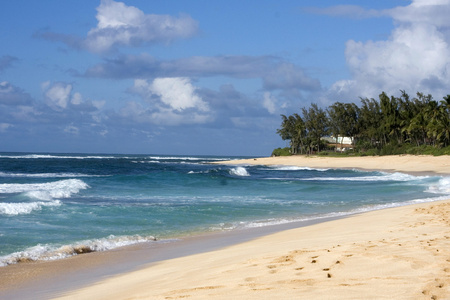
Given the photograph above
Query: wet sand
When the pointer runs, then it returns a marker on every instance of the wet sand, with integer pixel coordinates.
(46, 279)
(397, 253)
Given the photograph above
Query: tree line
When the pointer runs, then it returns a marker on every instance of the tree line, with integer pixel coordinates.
(386, 123)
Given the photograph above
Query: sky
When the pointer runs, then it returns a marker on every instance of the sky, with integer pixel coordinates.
(203, 77)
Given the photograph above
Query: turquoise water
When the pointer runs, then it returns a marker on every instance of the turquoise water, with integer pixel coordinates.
(53, 205)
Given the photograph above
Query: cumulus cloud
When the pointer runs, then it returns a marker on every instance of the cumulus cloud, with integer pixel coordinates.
(12, 95)
(57, 95)
(434, 12)
(169, 101)
(174, 93)
(77, 99)
(415, 57)
(122, 25)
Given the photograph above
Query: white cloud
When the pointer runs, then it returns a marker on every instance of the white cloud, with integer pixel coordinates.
(77, 99)
(57, 94)
(169, 101)
(416, 57)
(430, 11)
(119, 24)
(178, 93)
(269, 103)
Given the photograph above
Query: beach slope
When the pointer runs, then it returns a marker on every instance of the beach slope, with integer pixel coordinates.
(391, 163)
(396, 253)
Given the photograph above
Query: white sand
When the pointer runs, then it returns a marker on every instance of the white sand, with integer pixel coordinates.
(397, 253)
(398, 163)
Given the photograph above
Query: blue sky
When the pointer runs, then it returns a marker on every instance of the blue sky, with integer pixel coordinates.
(203, 77)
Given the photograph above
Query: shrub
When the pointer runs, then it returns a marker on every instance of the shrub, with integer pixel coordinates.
(281, 152)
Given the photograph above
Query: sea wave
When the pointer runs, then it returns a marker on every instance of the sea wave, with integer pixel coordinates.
(46, 156)
(239, 171)
(140, 158)
(45, 191)
(294, 168)
(23, 208)
(53, 252)
(188, 158)
(382, 177)
(46, 175)
(441, 187)
(337, 214)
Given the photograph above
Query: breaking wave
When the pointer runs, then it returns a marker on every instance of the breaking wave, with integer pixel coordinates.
(52, 252)
(239, 171)
(383, 177)
(13, 209)
(295, 168)
(45, 175)
(46, 156)
(442, 187)
(45, 191)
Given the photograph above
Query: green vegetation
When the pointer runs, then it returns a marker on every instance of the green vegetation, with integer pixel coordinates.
(390, 125)
(281, 152)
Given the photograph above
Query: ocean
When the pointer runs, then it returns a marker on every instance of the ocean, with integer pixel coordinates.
(53, 206)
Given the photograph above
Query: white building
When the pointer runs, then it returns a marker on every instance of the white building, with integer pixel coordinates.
(342, 143)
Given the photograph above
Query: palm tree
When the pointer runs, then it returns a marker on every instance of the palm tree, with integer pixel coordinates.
(316, 123)
(343, 120)
(293, 129)
(444, 122)
(432, 113)
(391, 118)
(369, 122)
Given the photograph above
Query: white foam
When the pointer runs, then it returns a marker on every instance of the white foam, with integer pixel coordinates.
(40, 156)
(239, 171)
(363, 209)
(53, 252)
(187, 158)
(13, 209)
(295, 168)
(45, 191)
(442, 187)
(383, 177)
(46, 175)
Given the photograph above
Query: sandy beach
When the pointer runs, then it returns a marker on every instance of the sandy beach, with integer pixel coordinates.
(412, 164)
(396, 253)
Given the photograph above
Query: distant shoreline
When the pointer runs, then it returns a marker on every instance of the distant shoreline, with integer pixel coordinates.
(413, 164)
